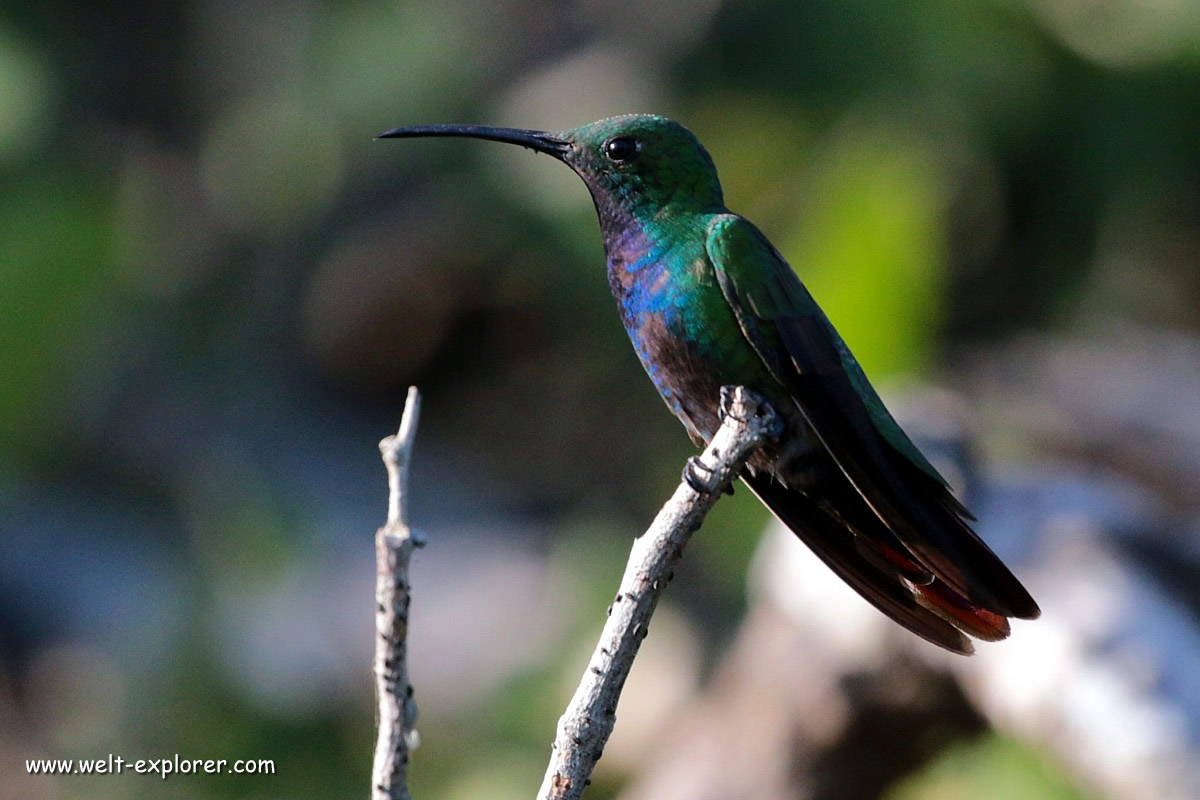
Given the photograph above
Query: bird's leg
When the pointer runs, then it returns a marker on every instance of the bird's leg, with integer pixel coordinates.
(695, 473)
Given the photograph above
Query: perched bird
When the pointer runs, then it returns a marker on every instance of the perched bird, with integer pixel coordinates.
(709, 302)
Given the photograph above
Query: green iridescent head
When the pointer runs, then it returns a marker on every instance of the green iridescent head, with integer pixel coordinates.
(641, 163)
(645, 162)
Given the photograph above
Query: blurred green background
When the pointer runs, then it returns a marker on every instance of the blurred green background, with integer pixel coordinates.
(215, 287)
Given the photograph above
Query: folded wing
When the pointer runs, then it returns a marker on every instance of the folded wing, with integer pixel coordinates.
(889, 474)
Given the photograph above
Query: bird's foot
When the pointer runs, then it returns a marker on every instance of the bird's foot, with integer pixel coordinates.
(743, 405)
(697, 475)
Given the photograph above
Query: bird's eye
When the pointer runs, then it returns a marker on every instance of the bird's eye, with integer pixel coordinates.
(620, 149)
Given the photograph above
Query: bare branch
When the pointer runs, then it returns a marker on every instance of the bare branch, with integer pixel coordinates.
(584, 728)
(395, 710)
(397, 454)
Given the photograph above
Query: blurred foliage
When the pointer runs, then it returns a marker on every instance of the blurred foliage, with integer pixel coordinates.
(993, 768)
(214, 286)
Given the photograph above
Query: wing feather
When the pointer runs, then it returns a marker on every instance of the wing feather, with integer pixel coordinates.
(803, 351)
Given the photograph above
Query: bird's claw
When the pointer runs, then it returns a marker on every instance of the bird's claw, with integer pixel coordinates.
(725, 405)
(697, 475)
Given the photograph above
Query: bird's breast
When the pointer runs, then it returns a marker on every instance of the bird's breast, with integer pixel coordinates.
(676, 318)
(690, 343)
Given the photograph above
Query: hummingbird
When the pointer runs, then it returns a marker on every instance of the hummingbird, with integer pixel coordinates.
(708, 302)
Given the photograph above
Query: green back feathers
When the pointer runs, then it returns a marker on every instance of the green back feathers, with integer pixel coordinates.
(756, 279)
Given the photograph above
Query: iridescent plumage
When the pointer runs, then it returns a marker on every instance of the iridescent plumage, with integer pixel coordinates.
(708, 302)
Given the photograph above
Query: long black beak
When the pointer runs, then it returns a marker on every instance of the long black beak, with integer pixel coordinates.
(535, 140)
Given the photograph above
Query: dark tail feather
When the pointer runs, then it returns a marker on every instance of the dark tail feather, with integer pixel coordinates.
(943, 540)
(920, 608)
